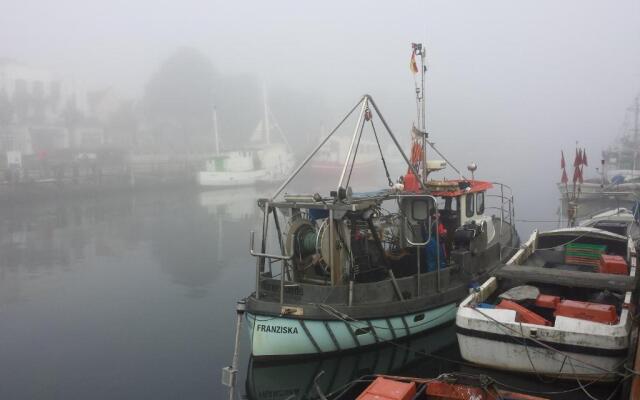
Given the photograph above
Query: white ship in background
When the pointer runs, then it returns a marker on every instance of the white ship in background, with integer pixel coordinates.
(263, 161)
(619, 170)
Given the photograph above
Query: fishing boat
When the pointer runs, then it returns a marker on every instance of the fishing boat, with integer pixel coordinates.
(355, 269)
(619, 171)
(329, 160)
(263, 161)
(562, 306)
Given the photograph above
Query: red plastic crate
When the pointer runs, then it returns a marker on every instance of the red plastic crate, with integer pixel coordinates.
(388, 389)
(547, 301)
(613, 265)
(603, 313)
(443, 390)
(523, 314)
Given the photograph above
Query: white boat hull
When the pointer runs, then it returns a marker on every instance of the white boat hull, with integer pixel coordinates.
(571, 348)
(515, 357)
(280, 337)
(216, 179)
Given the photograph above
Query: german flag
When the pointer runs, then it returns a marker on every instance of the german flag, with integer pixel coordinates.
(412, 64)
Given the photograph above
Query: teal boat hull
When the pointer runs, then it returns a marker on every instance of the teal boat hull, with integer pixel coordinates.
(275, 337)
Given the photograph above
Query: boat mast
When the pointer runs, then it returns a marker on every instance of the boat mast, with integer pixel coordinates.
(423, 128)
(267, 133)
(636, 110)
(215, 130)
(418, 50)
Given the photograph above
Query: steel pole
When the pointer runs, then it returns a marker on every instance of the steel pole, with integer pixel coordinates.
(357, 133)
(313, 153)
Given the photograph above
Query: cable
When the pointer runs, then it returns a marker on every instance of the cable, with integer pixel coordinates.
(551, 248)
(384, 163)
(546, 346)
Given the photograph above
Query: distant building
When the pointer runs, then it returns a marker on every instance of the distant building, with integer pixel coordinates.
(41, 112)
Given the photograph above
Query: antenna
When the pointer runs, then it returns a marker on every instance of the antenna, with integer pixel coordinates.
(636, 110)
(267, 133)
(215, 130)
(418, 50)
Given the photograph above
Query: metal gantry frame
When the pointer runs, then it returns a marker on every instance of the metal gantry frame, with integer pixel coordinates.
(349, 163)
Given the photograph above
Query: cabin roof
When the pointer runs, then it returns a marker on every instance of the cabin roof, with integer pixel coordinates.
(473, 187)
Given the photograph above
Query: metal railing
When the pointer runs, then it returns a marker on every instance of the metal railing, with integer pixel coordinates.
(263, 256)
(504, 204)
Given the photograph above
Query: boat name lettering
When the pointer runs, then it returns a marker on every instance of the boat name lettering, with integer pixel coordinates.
(277, 329)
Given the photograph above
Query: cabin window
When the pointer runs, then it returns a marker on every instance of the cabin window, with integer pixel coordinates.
(480, 203)
(451, 203)
(469, 205)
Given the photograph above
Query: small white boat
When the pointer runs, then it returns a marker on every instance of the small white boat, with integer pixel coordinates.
(560, 306)
(231, 169)
(263, 162)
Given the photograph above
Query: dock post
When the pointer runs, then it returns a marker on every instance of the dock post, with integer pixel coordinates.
(230, 373)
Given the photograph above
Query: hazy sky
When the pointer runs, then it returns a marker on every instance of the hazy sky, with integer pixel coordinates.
(510, 82)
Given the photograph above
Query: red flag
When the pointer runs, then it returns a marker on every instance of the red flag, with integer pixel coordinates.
(576, 175)
(412, 64)
(564, 179)
(580, 176)
(562, 160)
(584, 157)
(578, 160)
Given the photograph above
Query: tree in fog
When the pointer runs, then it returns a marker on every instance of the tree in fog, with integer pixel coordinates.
(6, 109)
(122, 125)
(179, 97)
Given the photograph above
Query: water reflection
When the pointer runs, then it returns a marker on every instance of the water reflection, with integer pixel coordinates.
(296, 380)
(121, 296)
(192, 236)
(194, 245)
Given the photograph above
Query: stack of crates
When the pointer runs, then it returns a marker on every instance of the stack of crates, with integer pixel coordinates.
(584, 254)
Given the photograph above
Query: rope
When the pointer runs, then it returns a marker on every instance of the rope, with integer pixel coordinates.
(540, 377)
(551, 248)
(433, 146)
(384, 163)
(580, 387)
(349, 320)
(355, 154)
(536, 220)
(546, 346)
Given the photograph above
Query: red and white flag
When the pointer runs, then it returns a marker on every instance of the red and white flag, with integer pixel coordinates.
(412, 64)
(564, 179)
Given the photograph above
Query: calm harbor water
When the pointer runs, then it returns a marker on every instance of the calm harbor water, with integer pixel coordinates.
(133, 296)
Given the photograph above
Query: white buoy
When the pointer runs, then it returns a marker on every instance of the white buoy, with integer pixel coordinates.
(472, 167)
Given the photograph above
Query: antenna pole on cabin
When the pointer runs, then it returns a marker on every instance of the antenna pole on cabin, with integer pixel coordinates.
(424, 114)
(215, 130)
(267, 133)
(636, 110)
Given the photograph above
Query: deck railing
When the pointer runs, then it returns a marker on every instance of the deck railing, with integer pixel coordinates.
(502, 201)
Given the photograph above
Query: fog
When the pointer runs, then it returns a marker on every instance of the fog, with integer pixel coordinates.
(509, 84)
(120, 269)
